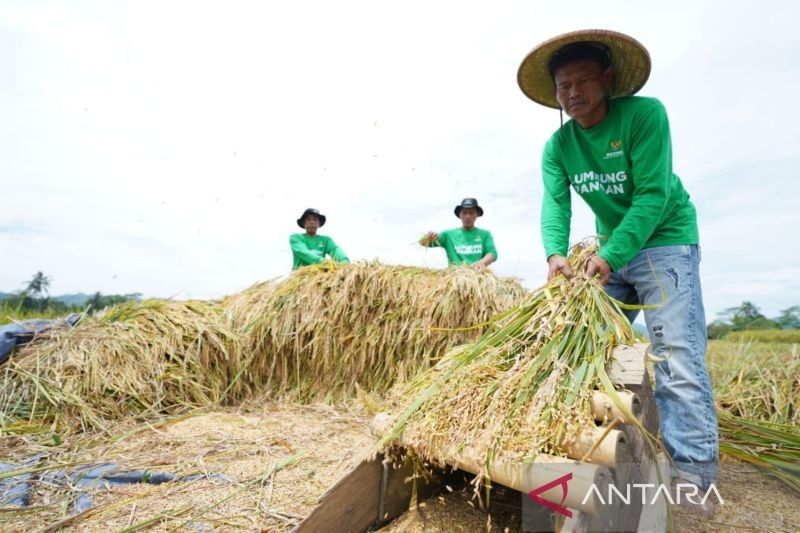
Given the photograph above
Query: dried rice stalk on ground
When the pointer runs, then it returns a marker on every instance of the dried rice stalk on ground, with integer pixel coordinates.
(756, 387)
(757, 381)
(242, 444)
(321, 330)
(138, 359)
(524, 387)
(772, 447)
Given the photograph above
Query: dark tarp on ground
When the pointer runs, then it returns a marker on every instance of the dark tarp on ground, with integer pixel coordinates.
(15, 491)
(19, 333)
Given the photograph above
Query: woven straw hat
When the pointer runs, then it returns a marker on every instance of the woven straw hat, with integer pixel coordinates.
(629, 58)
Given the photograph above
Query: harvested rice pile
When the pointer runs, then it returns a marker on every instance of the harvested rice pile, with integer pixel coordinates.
(524, 387)
(316, 334)
(139, 359)
(322, 330)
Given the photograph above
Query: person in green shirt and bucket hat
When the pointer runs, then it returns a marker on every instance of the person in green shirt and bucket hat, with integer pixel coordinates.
(616, 154)
(467, 244)
(309, 248)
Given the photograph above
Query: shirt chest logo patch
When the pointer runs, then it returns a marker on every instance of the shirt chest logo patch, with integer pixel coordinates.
(615, 150)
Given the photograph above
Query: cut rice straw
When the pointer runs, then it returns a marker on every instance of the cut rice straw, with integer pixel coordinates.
(139, 359)
(524, 388)
(324, 329)
(775, 448)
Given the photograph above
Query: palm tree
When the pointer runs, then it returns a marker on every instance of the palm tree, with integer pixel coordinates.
(95, 302)
(40, 284)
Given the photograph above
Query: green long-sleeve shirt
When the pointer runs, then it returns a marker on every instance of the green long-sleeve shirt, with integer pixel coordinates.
(308, 250)
(466, 246)
(622, 168)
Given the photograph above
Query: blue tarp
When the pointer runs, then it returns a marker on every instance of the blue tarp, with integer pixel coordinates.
(13, 335)
(15, 491)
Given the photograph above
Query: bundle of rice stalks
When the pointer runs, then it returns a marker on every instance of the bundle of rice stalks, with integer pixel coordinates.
(138, 359)
(773, 447)
(524, 387)
(323, 329)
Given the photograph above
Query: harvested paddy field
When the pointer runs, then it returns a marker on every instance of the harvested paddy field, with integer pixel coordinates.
(241, 414)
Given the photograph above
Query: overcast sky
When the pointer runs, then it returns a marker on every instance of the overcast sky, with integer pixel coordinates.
(168, 147)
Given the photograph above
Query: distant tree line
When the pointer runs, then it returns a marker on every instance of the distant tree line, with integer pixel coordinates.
(35, 298)
(748, 317)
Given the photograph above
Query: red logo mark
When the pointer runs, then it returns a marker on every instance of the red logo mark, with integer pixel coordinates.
(559, 508)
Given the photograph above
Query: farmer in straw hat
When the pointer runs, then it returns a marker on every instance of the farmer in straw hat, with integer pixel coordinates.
(309, 248)
(467, 244)
(616, 154)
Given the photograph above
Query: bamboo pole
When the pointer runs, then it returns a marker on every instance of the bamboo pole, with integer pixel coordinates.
(605, 410)
(526, 477)
(600, 445)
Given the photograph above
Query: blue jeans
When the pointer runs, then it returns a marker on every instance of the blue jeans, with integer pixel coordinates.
(669, 278)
